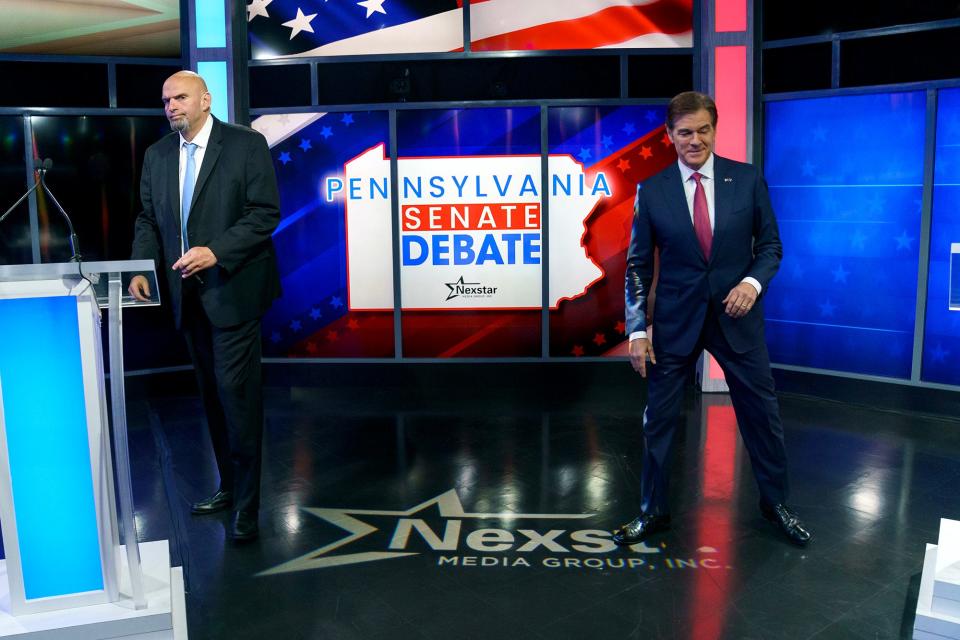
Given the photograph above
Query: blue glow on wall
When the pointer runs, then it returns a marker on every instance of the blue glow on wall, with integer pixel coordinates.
(211, 23)
(49, 453)
(215, 74)
(941, 338)
(846, 180)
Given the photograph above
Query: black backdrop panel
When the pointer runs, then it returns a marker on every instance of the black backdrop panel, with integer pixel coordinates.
(908, 57)
(140, 85)
(50, 84)
(15, 230)
(820, 17)
(652, 76)
(799, 68)
(474, 79)
(280, 85)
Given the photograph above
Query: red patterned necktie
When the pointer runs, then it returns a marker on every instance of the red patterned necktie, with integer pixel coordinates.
(701, 217)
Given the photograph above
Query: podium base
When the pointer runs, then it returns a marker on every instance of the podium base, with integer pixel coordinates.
(163, 619)
(938, 604)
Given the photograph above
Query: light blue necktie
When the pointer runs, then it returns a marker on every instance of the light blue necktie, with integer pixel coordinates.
(189, 180)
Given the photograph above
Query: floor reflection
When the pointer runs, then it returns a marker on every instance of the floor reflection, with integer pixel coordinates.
(545, 480)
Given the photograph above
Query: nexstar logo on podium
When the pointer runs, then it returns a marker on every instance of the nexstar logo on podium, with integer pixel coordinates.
(456, 538)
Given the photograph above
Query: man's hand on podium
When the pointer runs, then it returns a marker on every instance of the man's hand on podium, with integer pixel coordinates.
(139, 288)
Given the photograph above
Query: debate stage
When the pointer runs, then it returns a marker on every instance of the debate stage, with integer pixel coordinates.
(475, 501)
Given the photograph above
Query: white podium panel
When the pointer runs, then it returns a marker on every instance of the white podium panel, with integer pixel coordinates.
(938, 604)
(67, 574)
(54, 478)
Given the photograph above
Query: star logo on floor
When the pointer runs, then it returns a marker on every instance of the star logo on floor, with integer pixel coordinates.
(450, 509)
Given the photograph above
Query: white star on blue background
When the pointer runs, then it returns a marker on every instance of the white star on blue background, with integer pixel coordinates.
(904, 241)
(840, 274)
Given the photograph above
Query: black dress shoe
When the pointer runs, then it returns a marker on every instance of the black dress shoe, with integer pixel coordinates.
(217, 502)
(788, 522)
(245, 526)
(638, 529)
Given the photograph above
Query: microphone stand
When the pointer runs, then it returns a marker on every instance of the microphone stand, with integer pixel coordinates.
(41, 169)
(74, 241)
(17, 203)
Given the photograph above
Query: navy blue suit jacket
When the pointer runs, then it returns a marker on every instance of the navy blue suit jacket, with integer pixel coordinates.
(234, 212)
(746, 242)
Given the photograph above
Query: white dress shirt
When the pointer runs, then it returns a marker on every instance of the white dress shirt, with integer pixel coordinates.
(689, 189)
(202, 140)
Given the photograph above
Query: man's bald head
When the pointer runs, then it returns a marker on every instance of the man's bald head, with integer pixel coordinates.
(190, 76)
(186, 102)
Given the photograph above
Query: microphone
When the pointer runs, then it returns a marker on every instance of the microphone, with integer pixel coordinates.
(45, 166)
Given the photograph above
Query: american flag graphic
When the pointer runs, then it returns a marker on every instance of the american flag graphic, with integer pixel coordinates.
(296, 28)
(510, 25)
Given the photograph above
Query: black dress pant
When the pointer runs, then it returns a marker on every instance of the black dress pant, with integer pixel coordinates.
(754, 403)
(228, 370)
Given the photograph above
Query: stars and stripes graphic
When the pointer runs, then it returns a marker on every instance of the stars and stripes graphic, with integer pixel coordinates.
(297, 28)
(507, 25)
(311, 319)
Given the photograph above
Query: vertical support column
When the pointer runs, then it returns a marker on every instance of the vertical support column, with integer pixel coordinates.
(216, 33)
(120, 446)
(926, 226)
(726, 31)
(545, 234)
(395, 235)
(31, 180)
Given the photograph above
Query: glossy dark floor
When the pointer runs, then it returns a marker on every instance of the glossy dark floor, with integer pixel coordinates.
(436, 502)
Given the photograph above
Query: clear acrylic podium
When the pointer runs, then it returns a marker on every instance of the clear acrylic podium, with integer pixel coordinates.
(64, 556)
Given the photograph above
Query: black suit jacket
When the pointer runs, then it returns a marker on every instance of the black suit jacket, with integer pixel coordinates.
(746, 242)
(235, 210)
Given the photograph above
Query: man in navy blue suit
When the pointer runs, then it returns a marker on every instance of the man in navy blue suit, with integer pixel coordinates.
(711, 222)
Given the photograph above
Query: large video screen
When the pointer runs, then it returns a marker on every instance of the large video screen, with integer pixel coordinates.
(105, 28)
(941, 338)
(508, 25)
(318, 158)
(289, 28)
(613, 148)
(471, 238)
(846, 181)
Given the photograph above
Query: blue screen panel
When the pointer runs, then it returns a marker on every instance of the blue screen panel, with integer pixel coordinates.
(49, 453)
(846, 181)
(215, 75)
(941, 338)
(211, 24)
